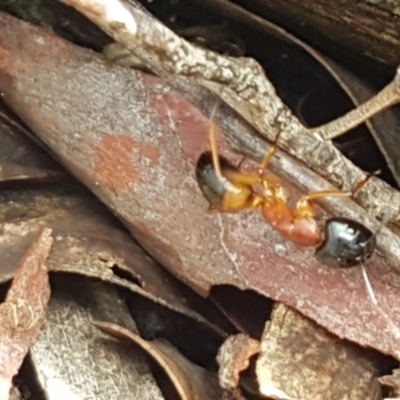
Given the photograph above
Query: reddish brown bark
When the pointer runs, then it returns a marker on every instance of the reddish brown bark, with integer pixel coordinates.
(76, 102)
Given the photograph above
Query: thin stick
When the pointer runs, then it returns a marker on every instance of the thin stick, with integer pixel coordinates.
(387, 97)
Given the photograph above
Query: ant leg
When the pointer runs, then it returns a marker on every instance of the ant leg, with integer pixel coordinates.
(235, 177)
(362, 183)
(214, 149)
(339, 193)
(304, 208)
(267, 159)
(241, 178)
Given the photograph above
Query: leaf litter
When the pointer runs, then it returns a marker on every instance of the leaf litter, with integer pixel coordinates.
(275, 319)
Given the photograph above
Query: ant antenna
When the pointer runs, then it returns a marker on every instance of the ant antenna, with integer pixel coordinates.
(367, 282)
(362, 183)
(214, 142)
(274, 146)
(368, 286)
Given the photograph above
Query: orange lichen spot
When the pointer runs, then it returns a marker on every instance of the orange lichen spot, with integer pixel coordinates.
(114, 166)
(150, 152)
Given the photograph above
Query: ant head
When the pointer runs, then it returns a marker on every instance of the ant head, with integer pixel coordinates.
(347, 243)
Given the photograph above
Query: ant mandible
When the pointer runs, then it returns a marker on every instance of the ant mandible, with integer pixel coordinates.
(345, 242)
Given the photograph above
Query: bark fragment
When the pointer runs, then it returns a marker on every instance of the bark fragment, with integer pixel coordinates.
(299, 360)
(234, 357)
(24, 310)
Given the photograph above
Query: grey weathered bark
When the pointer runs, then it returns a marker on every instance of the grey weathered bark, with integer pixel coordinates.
(370, 27)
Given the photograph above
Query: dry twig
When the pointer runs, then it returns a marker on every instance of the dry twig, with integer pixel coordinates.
(387, 97)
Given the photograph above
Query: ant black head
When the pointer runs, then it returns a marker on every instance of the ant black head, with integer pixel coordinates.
(347, 243)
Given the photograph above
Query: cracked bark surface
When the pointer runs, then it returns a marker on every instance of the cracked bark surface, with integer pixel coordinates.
(135, 142)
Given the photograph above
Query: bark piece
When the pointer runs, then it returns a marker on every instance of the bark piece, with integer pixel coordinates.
(23, 312)
(370, 27)
(301, 361)
(234, 357)
(392, 381)
(72, 359)
(90, 242)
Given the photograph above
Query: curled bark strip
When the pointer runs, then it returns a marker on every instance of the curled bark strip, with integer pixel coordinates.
(248, 91)
(190, 381)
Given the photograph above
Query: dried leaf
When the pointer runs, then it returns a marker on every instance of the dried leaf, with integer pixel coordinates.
(23, 312)
(299, 360)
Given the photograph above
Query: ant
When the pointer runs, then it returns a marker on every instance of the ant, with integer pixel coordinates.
(345, 243)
